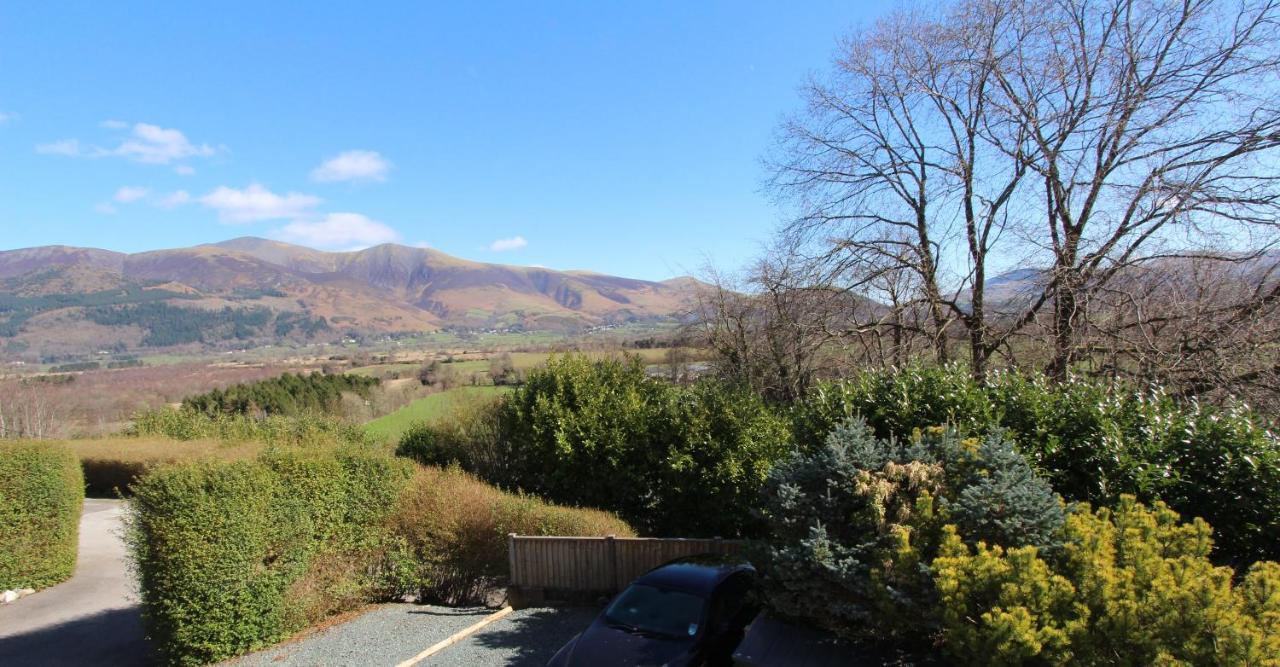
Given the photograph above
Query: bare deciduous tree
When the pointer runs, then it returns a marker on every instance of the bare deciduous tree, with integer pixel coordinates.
(1094, 141)
(27, 410)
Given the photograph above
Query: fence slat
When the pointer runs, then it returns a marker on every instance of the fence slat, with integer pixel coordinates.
(598, 564)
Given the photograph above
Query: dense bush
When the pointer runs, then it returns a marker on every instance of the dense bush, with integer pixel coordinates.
(41, 494)
(455, 531)
(669, 460)
(232, 556)
(467, 435)
(853, 524)
(288, 394)
(1094, 441)
(1131, 587)
(308, 430)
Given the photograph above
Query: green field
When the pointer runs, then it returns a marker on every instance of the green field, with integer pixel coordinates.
(389, 428)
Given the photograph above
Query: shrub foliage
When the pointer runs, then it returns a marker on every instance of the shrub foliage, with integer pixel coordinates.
(307, 430)
(41, 494)
(454, 530)
(289, 394)
(236, 555)
(854, 524)
(232, 556)
(1094, 441)
(669, 460)
(1132, 586)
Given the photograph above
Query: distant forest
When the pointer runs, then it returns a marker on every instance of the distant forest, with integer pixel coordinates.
(289, 394)
(18, 309)
(164, 324)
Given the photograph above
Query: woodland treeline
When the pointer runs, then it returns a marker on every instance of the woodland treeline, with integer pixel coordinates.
(1067, 186)
(289, 394)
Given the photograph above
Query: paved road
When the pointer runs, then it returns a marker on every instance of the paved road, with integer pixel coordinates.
(91, 619)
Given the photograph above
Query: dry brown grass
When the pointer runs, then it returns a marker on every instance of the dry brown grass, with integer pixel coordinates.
(112, 464)
(457, 527)
(101, 402)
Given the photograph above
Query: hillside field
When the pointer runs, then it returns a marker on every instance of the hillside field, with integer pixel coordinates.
(388, 428)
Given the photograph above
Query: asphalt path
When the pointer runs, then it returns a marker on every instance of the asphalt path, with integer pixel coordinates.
(92, 618)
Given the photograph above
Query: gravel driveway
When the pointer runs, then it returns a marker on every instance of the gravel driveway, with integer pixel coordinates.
(393, 633)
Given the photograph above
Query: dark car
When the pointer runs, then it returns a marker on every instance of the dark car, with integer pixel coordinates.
(685, 613)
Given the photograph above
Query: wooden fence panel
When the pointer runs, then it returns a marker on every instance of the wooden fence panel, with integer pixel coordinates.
(597, 564)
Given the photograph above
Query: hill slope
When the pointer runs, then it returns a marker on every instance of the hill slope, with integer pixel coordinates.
(59, 300)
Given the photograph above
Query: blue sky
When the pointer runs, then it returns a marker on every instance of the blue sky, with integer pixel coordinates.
(617, 137)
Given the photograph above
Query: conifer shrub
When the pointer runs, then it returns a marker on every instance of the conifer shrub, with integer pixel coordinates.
(233, 556)
(292, 394)
(853, 524)
(1094, 441)
(1131, 586)
(41, 495)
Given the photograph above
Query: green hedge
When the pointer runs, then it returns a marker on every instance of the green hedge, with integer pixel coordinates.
(305, 430)
(687, 461)
(41, 495)
(233, 556)
(1094, 441)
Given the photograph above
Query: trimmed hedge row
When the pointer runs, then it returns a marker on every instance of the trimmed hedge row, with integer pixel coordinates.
(233, 556)
(41, 496)
(307, 430)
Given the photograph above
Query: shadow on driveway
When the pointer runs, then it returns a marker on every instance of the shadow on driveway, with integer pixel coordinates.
(526, 638)
(112, 637)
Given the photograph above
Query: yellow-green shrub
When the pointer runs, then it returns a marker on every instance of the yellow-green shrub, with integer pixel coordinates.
(303, 430)
(455, 531)
(232, 556)
(41, 493)
(1132, 587)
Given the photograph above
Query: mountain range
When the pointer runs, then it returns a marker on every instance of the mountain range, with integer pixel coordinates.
(59, 300)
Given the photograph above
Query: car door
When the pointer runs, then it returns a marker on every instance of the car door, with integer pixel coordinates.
(728, 616)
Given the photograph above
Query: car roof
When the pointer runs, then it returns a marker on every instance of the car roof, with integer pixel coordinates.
(695, 574)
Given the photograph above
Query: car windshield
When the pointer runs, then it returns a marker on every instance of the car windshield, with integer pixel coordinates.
(654, 610)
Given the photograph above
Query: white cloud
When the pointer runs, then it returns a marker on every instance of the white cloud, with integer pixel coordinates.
(184, 170)
(256, 203)
(513, 243)
(352, 166)
(69, 147)
(422, 244)
(105, 208)
(7, 117)
(113, 124)
(174, 199)
(146, 143)
(129, 194)
(153, 144)
(339, 230)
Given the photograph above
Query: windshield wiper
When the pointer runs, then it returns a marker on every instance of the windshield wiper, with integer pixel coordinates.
(642, 632)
